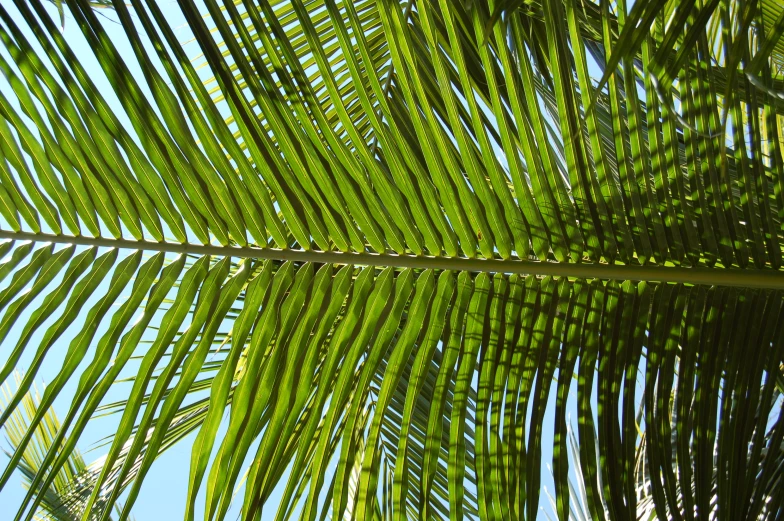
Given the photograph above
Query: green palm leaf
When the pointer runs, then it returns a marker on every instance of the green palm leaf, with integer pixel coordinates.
(64, 499)
(374, 245)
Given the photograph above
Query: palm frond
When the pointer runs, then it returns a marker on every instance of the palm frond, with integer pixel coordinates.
(68, 492)
(381, 236)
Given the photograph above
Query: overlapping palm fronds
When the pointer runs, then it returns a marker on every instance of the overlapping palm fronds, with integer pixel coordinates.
(68, 492)
(763, 483)
(374, 243)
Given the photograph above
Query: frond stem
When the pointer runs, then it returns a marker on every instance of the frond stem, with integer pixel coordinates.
(748, 278)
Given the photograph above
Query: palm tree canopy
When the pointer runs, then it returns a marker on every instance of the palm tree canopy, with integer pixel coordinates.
(362, 249)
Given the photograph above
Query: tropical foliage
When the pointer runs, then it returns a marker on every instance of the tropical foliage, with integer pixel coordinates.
(364, 251)
(64, 498)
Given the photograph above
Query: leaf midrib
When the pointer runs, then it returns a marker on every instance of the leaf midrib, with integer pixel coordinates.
(766, 278)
